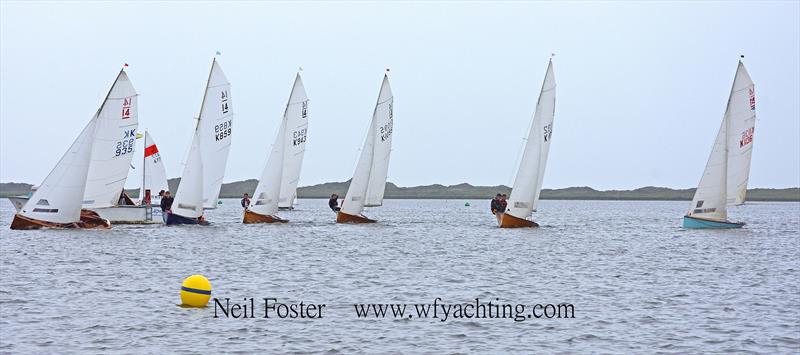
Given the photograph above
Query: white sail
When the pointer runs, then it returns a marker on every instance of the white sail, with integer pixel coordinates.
(216, 119)
(741, 116)
(528, 182)
(369, 180)
(296, 118)
(189, 197)
(278, 183)
(265, 198)
(58, 198)
(154, 174)
(724, 179)
(113, 146)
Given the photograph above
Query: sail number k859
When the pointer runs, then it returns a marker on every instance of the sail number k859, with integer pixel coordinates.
(223, 130)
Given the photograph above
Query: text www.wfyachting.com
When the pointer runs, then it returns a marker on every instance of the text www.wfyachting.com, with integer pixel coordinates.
(474, 310)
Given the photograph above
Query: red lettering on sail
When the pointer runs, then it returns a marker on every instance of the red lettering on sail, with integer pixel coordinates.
(126, 107)
(747, 137)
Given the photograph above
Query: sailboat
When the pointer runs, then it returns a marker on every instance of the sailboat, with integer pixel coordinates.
(724, 181)
(369, 180)
(154, 174)
(280, 175)
(93, 157)
(201, 180)
(530, 175)
(125, 211)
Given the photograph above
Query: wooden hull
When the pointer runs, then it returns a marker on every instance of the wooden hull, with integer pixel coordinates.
(251, 217)
(342, 217)
(89, 220)
(700, 223)
(509, 221)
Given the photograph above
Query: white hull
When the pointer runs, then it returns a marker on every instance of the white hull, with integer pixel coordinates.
(131, 214)
(118, 214)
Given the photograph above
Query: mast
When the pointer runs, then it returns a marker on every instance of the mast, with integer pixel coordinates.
(144, 166)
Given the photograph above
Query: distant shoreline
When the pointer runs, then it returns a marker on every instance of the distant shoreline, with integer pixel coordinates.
(469, 192)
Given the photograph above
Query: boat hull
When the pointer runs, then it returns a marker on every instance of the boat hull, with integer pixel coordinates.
(174, 219)
(509, 221)
(88, 220)
(251, 217)
(131, 214)
(699, 223)
(342, 217)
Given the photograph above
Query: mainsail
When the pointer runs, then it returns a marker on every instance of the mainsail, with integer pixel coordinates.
(216, 119)
(279, 178)
(724, 180)
(528, 182)
(113, 146)
(369, 180)
(154, 175)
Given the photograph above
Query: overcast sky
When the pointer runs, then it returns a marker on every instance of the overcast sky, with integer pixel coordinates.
(642, 87)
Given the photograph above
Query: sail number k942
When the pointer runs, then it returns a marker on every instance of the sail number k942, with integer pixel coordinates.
(223, 130)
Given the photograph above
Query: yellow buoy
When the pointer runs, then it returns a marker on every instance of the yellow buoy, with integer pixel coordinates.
(195, 291)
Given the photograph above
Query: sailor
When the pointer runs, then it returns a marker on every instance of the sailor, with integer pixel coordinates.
(246, 201)
(495, 207)
(333, 203)
(166, 205)
(503, 203)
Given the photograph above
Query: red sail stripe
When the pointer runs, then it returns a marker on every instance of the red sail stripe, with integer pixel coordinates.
(150, 150)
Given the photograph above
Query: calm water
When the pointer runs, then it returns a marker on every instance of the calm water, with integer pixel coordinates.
(639, 283)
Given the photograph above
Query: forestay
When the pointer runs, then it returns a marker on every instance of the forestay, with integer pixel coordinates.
(369, 180)
(528, 182)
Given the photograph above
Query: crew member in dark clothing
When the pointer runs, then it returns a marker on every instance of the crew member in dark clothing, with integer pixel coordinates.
(503, 203)
(166, 205)
(333, 203)
(246, 201)
(496, 203)
(495, 206)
